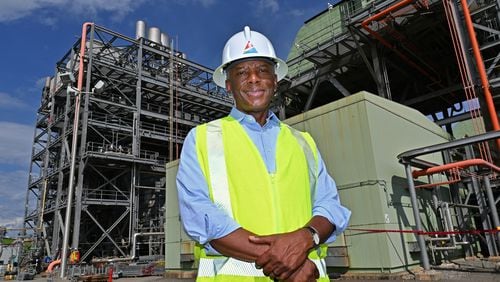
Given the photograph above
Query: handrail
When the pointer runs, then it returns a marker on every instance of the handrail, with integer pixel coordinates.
(405, 157)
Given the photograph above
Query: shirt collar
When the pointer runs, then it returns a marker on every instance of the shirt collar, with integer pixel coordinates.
(241, 117)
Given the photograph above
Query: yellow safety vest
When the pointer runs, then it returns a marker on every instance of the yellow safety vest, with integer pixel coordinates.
(261, 202)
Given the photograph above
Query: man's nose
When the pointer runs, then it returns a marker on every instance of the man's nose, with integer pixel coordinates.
(253, 76)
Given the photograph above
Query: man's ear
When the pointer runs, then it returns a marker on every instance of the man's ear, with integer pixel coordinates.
(228, 86)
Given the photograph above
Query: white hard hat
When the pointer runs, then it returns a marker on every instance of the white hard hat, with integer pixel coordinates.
(247, 44)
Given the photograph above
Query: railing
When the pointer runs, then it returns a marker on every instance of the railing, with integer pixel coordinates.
(124, 151)
(106, 195)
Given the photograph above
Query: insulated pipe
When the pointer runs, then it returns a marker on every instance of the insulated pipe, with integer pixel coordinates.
(460, 164)
(481, 69)
(74, 142)
(53, 264)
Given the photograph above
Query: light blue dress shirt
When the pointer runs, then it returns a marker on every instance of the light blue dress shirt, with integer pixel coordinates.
(203, 221)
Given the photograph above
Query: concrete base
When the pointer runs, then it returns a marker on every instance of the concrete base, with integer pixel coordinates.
(429, 275)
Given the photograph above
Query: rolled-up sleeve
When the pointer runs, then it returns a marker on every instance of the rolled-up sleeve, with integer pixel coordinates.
(201, 219)
(327, 202)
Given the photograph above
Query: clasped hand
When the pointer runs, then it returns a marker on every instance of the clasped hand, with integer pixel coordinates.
(286, 258)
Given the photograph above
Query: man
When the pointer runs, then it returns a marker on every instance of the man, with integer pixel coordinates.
(253, 192)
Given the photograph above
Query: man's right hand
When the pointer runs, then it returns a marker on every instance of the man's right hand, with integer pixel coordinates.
(286, 253)
(307, 272)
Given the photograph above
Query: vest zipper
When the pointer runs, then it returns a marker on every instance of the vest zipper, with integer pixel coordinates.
(272, 178)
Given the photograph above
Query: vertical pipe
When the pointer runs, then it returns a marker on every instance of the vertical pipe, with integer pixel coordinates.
(83, 139)
(418, 225)
(69, 202)
(481, 69)
(493, 211)
(171, 105)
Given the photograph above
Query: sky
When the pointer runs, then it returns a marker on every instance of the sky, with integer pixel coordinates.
(35, 34)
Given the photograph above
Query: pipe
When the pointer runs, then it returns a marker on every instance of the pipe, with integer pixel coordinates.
(481, 69)
(493, 209)
(53, 264)
(134, 242)
(459, 164)
(406, 157)
(416, 214)
(134, 239)
(74, 142)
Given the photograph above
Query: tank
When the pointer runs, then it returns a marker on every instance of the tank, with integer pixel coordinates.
(140, 29)
(154, 34)
(165, 40)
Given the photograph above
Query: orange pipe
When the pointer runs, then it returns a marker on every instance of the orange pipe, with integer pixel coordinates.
(481, 69)
(53, 264)
(392, 8)
(82, 54)
(460, 164)
(74, 141)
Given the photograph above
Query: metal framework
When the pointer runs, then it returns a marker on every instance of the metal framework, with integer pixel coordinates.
(134, 104)
(470, 220)
(399, 49)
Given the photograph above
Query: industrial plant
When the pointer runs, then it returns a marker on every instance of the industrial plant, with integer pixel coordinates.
(400, 96)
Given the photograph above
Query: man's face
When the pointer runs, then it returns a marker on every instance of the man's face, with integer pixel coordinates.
(252, 84)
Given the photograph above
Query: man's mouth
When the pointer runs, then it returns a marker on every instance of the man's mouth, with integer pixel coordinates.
(255, 92)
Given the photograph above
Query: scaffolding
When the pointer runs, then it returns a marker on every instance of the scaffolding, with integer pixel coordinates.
(116, 110)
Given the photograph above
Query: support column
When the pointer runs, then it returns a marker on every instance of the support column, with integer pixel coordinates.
(418, 225)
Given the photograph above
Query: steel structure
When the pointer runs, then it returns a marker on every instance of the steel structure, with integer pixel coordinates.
(115, 112)
(403, 50)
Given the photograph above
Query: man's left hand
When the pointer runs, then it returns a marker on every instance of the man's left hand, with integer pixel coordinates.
(286, 253)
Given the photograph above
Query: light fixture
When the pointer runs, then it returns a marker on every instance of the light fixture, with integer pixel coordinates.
(97, 89)
(67, 78)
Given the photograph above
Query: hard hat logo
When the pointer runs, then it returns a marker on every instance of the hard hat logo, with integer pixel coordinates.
(249, 48)
(256, 46)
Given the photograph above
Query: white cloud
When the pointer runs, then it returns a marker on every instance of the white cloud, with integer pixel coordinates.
(13, 187)
(11, 10)
(15, 143)
(7, 101)
(16, 9)
(272, 5)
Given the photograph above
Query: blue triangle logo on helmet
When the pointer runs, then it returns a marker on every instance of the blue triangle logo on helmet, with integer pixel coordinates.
(249, 48)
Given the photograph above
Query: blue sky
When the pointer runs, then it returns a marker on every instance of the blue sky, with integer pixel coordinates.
(37, 33)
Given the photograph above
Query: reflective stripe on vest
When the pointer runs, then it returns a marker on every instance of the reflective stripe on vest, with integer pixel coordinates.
(209, 267)
(217, 163)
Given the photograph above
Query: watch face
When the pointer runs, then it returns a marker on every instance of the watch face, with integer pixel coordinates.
(316, 238)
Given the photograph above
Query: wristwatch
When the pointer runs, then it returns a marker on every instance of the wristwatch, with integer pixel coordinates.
(315, 235)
